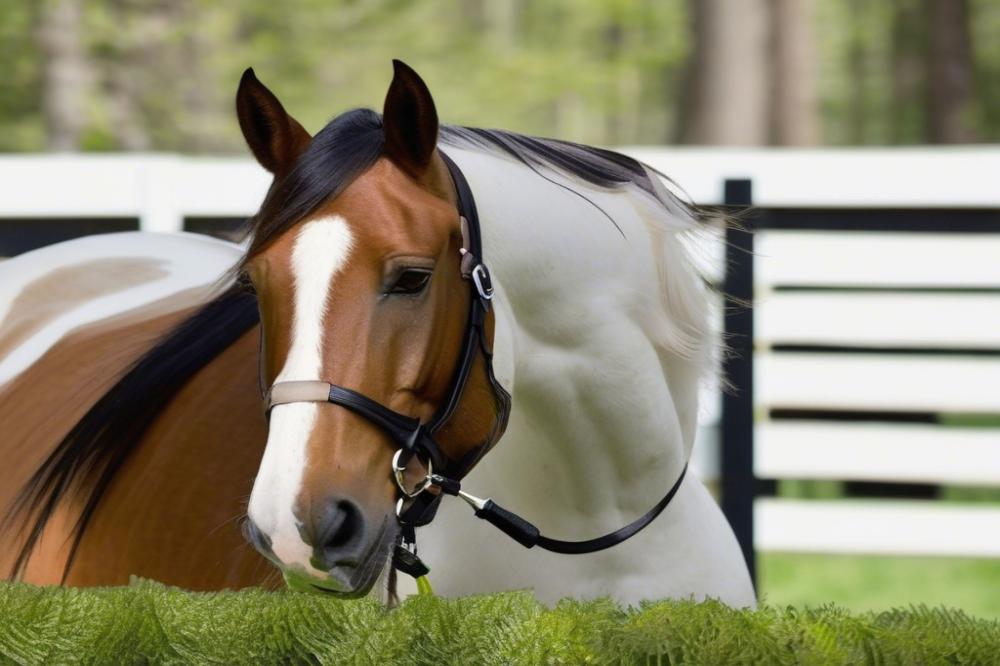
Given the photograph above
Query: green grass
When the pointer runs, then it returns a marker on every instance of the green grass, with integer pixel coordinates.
(873, 583)
(149, 623)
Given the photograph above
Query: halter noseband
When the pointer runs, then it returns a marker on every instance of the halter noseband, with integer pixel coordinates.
(417, 505)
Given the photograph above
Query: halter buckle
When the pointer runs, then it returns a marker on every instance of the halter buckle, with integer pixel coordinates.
(484, 283)
(400, 508)
(398, 472)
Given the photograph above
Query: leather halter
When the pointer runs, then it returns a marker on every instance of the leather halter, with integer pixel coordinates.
(412, 437)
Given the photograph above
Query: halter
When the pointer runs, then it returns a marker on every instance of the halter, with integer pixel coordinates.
(418, 505)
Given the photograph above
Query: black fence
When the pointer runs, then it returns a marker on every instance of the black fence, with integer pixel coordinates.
(19, 235)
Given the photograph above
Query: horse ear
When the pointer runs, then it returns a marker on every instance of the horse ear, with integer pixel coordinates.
(275, 138)
(409, 120)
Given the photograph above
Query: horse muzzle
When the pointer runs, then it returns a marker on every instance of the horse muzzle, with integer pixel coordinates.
(342, 552)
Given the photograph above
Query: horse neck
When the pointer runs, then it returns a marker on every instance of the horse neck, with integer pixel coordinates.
(602, 414)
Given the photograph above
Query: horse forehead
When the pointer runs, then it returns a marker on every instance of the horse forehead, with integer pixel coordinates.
(389, 211)
(321, 243)
(320, 250)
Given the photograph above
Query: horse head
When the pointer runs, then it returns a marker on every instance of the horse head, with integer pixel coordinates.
(355, 259)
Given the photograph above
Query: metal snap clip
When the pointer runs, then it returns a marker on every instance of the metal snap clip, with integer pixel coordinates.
(399, 471)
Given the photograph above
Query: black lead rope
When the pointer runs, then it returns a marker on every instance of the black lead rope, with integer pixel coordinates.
(529, 536)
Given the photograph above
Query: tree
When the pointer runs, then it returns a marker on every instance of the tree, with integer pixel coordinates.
(949, 73)
(907, 115)
(65, 73)
(793, 112)
(725, 101)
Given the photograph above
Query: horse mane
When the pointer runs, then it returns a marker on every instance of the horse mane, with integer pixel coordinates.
(84, 463)
(596, 166)
(353, 141)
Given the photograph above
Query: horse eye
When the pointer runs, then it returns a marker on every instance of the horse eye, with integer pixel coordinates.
(411, 281)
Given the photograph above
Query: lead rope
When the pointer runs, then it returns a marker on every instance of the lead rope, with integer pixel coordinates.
(529, 536)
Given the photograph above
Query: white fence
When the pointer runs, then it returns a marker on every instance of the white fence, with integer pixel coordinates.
(931, 293)
(158, 190)
(161, 190)
(927, 340)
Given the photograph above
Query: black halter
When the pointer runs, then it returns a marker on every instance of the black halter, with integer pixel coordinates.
(412, 437)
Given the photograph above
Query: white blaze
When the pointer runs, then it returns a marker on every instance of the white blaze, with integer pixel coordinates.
(320, 251)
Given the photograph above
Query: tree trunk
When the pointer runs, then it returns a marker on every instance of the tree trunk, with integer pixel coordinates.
(906, 122)
(949, 72)
(199, 97)
(858, 70)
(794, 119)
(726, 98)
(122, 87)
(622, 119)
(65, 73)
(502, 19)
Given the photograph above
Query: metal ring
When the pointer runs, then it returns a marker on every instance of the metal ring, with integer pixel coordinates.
(483, 281)
(398, 473)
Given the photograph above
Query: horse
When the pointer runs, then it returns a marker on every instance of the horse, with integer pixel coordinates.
(145, 433)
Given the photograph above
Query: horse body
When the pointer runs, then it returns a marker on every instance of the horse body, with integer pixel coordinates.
(599, 333)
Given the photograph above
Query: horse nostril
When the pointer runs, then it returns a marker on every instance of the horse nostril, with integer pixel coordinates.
(344, 523)
(336, 533)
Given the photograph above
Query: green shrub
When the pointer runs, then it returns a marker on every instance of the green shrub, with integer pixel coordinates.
(148, 622)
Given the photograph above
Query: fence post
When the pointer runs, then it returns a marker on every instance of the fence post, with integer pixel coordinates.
(158, 178)
(738, 483)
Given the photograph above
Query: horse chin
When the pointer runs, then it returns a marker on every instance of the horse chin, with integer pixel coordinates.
(330, 586)
(352, 583)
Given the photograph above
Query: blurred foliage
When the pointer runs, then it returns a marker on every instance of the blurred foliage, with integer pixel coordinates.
(564, 67)
(21, 123)
(863, 583)
(810, 489)
(162, 73)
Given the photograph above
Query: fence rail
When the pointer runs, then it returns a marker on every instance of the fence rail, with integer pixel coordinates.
(162, 190)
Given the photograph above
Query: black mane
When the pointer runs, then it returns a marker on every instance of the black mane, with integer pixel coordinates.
(86, 460)
(597, 166)
(352, 142)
